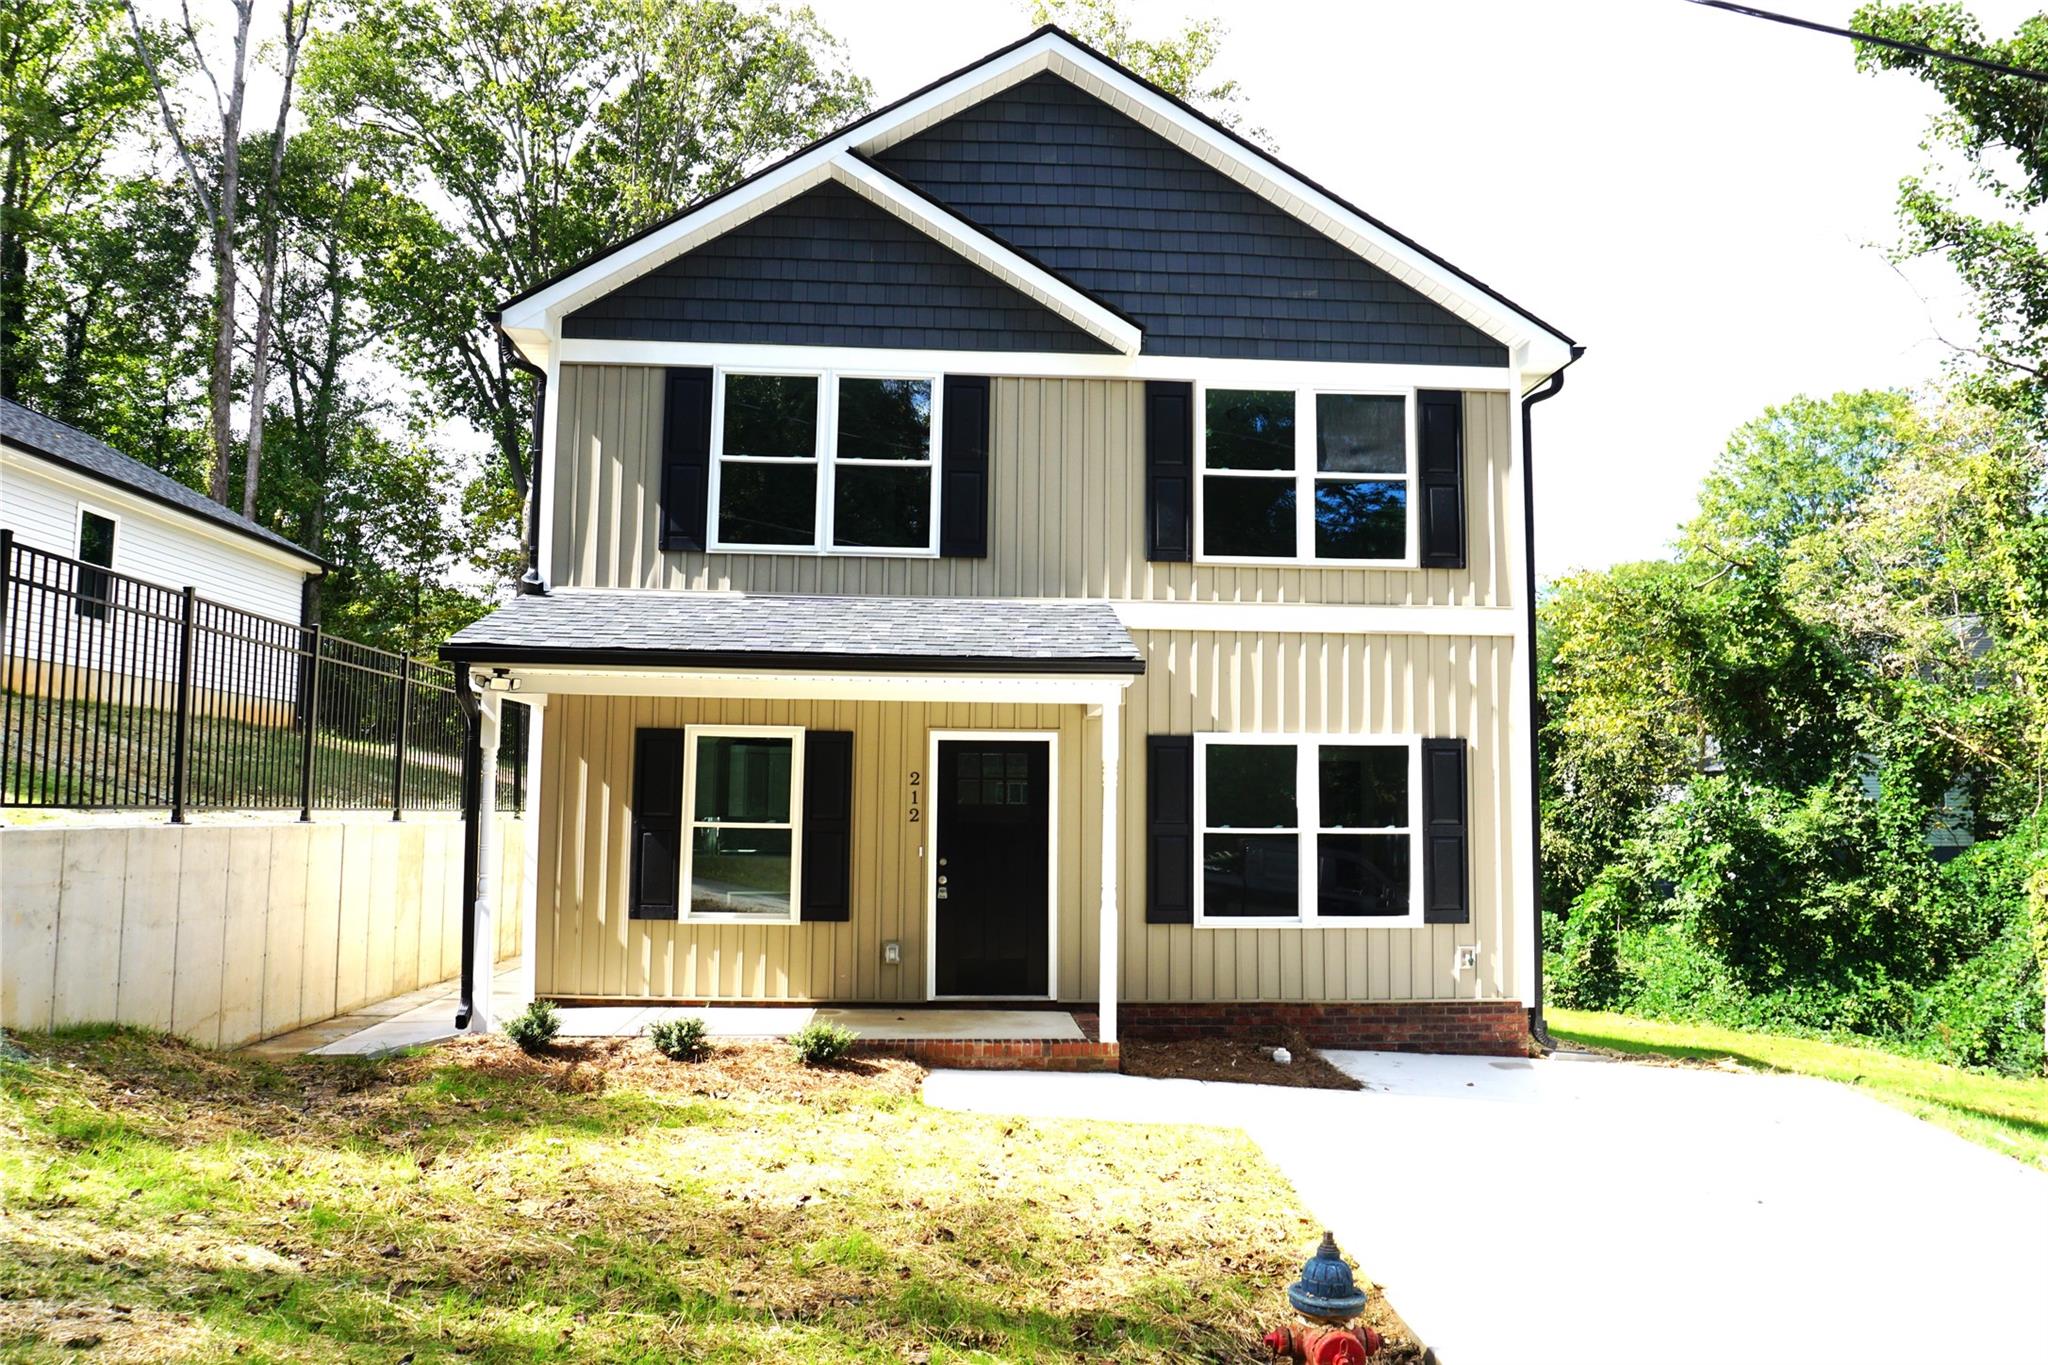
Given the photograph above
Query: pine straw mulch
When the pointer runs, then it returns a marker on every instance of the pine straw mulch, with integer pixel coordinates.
(1235, 1059)
(735, 1069)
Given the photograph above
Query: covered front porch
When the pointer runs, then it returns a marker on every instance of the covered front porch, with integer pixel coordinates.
(901, 814)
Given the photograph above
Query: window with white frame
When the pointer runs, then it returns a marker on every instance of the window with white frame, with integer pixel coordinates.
(1306, 476)
(835, 462)
(1307, 829)
(95, 553)
(742, 823)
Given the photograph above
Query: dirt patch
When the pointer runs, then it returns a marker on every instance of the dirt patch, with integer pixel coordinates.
(733, 1070)
(100, 1332)
(1233, 1059)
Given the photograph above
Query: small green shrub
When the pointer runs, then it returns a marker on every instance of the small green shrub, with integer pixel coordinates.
(680, 1040)
(535, 1026)
(821, 1044)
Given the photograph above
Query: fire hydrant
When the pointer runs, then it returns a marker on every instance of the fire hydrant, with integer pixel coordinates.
(1327, 1298)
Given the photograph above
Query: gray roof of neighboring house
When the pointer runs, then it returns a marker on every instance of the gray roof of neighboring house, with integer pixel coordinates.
(94, 458)
(643, 627)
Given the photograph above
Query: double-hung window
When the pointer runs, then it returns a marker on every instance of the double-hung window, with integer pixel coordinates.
(742, 824)
(840, 463)
(1306, 476)
(1307, 829)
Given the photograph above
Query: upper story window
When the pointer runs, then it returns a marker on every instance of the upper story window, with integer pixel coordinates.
(833, 462)
(1306, 476)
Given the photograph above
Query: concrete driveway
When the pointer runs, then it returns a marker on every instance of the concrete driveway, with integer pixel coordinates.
(1586, 1211)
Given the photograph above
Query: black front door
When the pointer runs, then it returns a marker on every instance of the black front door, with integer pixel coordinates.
(992, 800)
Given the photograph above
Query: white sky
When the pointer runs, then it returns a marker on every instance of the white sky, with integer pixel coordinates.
(1700, 199)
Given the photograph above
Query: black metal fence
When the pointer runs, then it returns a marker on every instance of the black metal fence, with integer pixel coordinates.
(119, 693)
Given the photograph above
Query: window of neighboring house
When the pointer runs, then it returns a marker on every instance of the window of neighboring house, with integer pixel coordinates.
(742, 841)
(1302, 476)
(95, 547)
(826, 462)
(1309, 829)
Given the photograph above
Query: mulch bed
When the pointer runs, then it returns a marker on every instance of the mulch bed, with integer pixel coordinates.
(1234, 1059)
(740, 1069)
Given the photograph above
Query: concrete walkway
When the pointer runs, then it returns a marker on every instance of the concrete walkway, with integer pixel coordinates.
(1607, 1213)
(428, 1016)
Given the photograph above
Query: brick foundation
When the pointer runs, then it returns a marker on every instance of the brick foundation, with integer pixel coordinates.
(1492, 1028)
(997, 1054)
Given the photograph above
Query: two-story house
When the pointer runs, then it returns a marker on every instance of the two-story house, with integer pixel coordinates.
(1033, 546)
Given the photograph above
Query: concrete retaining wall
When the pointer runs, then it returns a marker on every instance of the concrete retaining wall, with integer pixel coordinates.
(225, 934)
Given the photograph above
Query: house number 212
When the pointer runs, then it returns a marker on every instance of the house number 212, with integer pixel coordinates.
(916, 813)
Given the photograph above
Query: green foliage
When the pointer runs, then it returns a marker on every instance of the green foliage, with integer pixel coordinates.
(534, 1027)
(822, 1044)
(1745, 748)
(683, 1039)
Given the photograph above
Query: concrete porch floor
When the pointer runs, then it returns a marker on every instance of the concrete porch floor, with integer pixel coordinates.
(428, 1016)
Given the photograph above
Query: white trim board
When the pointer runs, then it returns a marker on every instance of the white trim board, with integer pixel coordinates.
(1221, 370)
(1315, 619)
(534, 320)
(928, 850)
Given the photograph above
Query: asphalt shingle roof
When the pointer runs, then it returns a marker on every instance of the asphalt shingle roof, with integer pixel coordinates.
(67, 445)
(682, 629)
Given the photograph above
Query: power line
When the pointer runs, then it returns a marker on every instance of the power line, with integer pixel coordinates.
(1896, 44)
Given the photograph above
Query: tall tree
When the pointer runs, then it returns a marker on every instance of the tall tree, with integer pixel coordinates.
(298, 18)
(529, 134)
(1995, 133)
(70, 86)
(217, 195)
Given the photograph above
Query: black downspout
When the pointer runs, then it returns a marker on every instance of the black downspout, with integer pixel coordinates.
(531, 583)
(1551, 389)
(472, 834)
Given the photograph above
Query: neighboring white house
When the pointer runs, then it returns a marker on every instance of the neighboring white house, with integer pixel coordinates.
(69, 493)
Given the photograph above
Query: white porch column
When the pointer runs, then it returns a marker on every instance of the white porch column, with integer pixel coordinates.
(1112, 754)
(481, 1016)
(529, 898)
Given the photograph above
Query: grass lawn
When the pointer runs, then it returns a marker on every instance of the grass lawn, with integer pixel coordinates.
(2008, 1114)
(604, 1204)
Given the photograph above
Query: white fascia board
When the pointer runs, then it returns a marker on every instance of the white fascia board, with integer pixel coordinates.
(1056, 689)
(132, 504)
(1043, 364)
(991, 255)
(1539, 351)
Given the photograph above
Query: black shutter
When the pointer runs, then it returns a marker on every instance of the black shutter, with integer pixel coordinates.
(686, 460)
(828, 825)
(657, 823)
(1445, 899)
(963, 468)
(1170, 826)
(1169, 470)
(1440, 482)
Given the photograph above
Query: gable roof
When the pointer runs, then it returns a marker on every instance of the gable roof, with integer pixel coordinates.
(1534, 345)
(59, 443)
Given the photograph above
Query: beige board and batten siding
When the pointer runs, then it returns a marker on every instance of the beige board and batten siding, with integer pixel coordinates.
(1067, 497)
(1196, 681)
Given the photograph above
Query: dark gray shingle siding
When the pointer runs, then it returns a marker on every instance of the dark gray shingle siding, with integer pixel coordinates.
(828, 269)
(1205, 266)
(797, 629)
